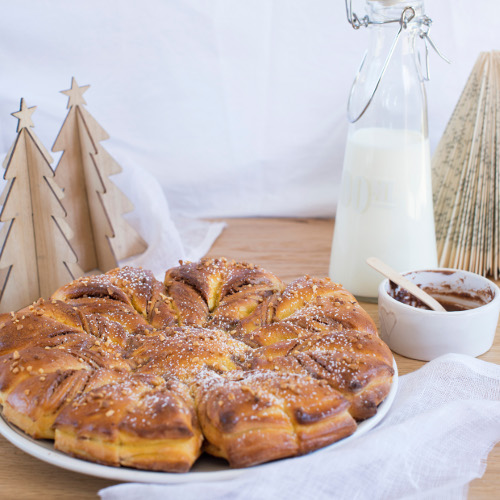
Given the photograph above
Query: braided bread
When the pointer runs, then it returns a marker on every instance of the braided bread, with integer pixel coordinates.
(222, 357)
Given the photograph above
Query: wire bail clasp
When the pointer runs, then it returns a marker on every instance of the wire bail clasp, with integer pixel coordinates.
(407, 16)
(425, 27)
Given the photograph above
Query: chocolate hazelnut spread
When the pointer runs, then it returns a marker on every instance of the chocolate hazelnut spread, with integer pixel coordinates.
(450, 298)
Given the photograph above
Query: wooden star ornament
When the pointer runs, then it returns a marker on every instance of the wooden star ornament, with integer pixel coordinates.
(75, 94)
(24, 116)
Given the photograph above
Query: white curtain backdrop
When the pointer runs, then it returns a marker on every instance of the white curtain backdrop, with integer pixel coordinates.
(237, 107)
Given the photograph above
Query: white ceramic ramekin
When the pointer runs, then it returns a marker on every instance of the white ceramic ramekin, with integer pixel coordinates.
(422, 334)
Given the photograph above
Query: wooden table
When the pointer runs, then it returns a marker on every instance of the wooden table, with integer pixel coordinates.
(289, 248)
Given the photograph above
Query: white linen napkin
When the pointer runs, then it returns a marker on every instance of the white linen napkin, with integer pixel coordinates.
(432, 443)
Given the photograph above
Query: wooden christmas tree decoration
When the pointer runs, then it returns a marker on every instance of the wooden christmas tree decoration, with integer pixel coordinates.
(466, 175)
(94, 204)
(35, 255)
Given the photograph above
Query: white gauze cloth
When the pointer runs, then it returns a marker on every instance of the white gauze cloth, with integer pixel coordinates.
(432, 443)
(169, 239)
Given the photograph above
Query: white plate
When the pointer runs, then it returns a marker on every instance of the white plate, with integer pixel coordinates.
(207, 468)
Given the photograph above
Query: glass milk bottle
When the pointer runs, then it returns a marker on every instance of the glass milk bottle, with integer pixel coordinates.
(385, 206)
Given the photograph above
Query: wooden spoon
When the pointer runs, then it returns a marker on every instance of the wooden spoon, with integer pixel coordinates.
(395, 277)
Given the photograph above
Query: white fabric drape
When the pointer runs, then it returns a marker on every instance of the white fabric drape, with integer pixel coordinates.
(169, 238)
(236, 107)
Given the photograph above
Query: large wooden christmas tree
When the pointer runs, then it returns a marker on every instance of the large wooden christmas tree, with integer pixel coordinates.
(95, 205)
(35, 254)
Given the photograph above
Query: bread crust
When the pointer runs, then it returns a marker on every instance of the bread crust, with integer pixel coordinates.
(221, 357)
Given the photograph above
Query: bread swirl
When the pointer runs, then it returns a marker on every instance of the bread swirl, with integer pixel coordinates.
(122, 369)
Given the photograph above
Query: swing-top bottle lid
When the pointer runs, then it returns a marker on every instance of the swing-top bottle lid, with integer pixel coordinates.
(390, 3)
(391, 9)
(387, 2)
(387, 12)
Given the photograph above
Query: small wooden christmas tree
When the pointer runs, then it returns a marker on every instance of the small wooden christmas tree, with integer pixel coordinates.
(35, 257)
(95, 205)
